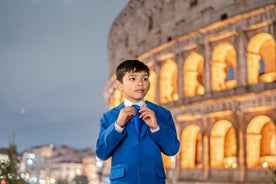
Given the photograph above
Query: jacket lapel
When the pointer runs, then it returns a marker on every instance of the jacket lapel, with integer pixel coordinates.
(144, 130)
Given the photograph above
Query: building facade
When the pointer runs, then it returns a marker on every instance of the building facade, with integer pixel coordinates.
(213, 64)
(59, 164)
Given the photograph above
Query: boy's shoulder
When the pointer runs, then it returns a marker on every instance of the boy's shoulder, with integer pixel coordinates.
(115, 109)
(156, 107)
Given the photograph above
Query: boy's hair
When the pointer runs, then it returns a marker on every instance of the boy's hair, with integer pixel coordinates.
(130, 66)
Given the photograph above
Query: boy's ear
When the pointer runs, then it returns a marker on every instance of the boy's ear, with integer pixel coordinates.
(118, 85)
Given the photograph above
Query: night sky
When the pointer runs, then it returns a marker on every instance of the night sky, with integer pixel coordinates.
(53, 70)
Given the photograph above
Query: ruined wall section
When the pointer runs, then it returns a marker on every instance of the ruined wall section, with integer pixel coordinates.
(144, 25)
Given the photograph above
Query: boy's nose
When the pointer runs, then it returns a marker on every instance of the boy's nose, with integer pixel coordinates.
(140, 82)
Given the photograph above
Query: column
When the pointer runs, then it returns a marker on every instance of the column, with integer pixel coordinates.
(179, 61)
(205, 149)
(241, 44)
(207, 79)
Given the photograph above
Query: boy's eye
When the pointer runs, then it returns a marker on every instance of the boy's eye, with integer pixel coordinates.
(132, 79)
(145, 79)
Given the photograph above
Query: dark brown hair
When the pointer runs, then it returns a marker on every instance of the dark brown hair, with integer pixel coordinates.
(130, 66)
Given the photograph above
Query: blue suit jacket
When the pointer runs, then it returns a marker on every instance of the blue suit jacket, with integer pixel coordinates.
(137, 159)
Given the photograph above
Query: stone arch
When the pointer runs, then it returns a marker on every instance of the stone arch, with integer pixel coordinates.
(151, 95)
(193, 72)
(116, 98)
(223, 147)
(261, 142)
(223, 63)
(168, 82)
(261, 50)
(191, 147)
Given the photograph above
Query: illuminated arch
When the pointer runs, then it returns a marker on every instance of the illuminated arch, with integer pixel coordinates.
(168, 82)
(191, 147)
(151, 95)
(261, 142)
(115, 99)
(193, 71)
(223, 63)
(223, 145)
(261, 48)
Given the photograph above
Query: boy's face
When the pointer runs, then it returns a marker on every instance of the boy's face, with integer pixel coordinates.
(134, 86)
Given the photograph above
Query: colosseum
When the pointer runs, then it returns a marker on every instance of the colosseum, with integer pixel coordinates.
(213, 65)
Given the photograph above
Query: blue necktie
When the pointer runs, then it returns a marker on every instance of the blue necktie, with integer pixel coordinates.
(137, 121)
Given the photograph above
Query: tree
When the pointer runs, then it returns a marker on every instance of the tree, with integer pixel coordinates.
(8, 169)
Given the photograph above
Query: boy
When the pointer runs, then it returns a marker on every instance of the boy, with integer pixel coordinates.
(136, 157)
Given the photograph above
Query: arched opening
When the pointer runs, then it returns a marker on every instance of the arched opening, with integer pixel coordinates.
(261, 143)
(168, 82)
(151, 95)
(223, 67)
(191, 147)
(115, 99)
(193, 73)
(261, 59)
(223, 145)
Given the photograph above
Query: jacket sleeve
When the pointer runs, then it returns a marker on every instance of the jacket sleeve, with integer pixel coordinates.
(166, 137)
(108, 138)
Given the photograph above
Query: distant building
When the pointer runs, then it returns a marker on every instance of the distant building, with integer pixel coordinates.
(213, 64)
(51, 163)
(3, 155)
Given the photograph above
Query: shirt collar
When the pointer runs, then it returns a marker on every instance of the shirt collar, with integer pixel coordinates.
(140, 103)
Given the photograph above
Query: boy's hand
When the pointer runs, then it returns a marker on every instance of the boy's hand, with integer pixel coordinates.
(148, 116)
(125, 114)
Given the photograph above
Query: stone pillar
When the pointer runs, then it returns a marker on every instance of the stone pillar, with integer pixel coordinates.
(272, 29)
(205, 149)
(157, 66)
(241, 157)
(207, 79)
(180, 83)
(241, 44)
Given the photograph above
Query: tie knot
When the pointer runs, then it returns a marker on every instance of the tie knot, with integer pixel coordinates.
(137, 107)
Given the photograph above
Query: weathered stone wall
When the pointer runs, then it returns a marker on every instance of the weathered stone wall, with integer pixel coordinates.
(149, 30)
(144, 25)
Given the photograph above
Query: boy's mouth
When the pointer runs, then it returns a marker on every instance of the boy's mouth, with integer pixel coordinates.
(140, 90)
